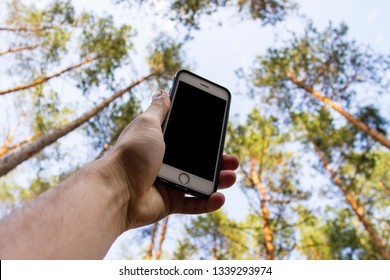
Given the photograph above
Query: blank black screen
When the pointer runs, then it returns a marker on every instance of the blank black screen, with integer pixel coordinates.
(193, 133)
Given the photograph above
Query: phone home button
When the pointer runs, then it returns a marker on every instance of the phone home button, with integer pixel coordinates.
(184, 178)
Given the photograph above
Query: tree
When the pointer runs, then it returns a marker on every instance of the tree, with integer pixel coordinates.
(348, 156)
(105, 47)
(269, 175)
(161, 239)
(101, 45)
(185, 249)
(104, 128)
(215, 236)
(149, 255)
(322, 68)
(334, 236)
(190, 12)
(12, 160)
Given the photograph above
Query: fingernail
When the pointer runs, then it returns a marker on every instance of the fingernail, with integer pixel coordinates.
(157, 95)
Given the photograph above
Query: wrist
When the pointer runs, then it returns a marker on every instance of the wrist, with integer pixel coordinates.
(111, 179)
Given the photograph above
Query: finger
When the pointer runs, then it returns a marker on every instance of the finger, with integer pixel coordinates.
(159, 106)
(229, 162)
(193, 205)
(226, 179)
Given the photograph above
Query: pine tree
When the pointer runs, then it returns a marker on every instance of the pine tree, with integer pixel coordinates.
(322, 68)
(269, 176)
(350, 158)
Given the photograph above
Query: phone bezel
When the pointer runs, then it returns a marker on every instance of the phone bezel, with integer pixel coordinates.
(169, 175)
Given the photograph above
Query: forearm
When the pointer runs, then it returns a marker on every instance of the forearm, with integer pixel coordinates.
(79, 219)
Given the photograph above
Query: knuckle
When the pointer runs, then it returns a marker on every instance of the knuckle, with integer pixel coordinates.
(145, 120)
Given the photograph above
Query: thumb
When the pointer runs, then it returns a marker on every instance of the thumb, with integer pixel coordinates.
(159, 106)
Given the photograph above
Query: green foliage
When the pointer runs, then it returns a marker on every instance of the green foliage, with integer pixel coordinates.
(260, 142)
(185, 249)
(262, 150)
(360, 167)
(105, 128)
(55, 14)
(56, 29)
(109, 45)
(327, 61)
(38, 186)
(334, 236)
(190, 12)
(7, 193)
(345, 240)
(215, 236)
(48, 112)
(166, 58)
(313, 243)
(50, 27)
(270, 11)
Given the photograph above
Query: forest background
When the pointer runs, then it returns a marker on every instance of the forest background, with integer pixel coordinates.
(309, 119)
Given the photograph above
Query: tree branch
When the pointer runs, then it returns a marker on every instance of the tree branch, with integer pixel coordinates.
(14, 159)
(24, 28)
(47, 78)
(19, 49)
(373, 133)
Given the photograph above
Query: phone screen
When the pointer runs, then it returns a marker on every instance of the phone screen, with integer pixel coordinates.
(193, 133)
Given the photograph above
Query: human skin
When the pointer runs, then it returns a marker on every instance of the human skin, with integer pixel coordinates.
(82, 217)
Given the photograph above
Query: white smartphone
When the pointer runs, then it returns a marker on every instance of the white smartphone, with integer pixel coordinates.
(194, 134)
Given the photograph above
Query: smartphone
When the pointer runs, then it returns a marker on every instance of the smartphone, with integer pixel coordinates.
(194, 134)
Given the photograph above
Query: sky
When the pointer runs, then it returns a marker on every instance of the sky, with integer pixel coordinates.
(217, 51)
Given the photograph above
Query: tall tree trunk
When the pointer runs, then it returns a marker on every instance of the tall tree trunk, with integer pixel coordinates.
(19, 49)
(162, 238)
(357, 209)
(268, 233)
(149, 255)
(12, 160)
(376, 135)
(42, 80)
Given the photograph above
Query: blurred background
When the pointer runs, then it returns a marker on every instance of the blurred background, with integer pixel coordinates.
(309, 118)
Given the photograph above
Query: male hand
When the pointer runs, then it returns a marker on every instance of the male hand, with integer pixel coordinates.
(138, 156)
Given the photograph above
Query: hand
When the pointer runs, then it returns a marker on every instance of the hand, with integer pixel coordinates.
(138, 155)
(83, 216)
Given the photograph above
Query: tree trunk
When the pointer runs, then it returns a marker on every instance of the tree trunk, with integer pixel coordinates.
(373, 133)
(19, 49)
(47, 78)
(268, 233)
(149, 255)
(162, 238)
(12, 160)
(357, 209)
